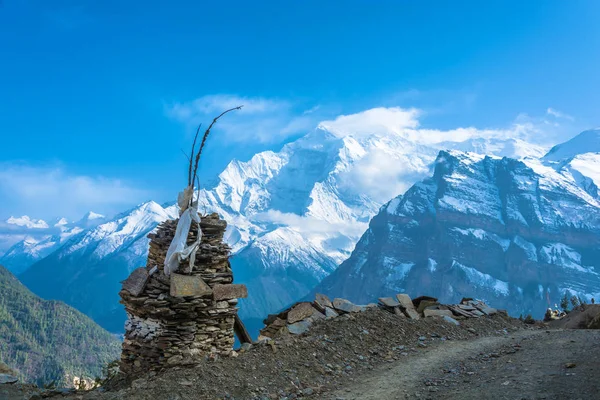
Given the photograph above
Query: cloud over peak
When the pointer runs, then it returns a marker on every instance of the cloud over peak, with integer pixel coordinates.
(381, 120)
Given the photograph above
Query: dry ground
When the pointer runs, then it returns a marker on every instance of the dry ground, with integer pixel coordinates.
(378, 355)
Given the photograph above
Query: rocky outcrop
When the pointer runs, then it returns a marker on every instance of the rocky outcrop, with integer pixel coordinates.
(298, 318)
(517, 234)
(178, 319)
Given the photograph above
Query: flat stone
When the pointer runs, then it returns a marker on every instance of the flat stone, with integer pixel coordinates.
(136, 282)
(405, 300)
(412, 313)
(299, 312)
(487, 310)
(399, 312)
(245, 346)
(175, 360)
(317, 315)
(418, 300)
(426, 303)
(188, 285)
(323, 300)
(437, 313)
(8, 379)
(330, 313)
(451, 320)
(345, 306)
(230, 291)
(388, 301)
(299, 327)
(460, 312)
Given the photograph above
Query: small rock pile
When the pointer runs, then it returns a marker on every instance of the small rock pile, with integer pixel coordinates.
(298, 318)
(426, 306)
(181, 318)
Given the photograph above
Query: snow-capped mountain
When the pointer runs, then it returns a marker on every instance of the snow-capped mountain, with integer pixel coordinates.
(586, 142)
(87, 269)
(516, 233)
(512, 148)
(296, 214)
(16, 229)
(37, 239)
(293, 215)
(580, 156)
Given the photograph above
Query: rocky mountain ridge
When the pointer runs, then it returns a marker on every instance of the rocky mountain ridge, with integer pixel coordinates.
(34, 239)
(518, 234)
(293, 215)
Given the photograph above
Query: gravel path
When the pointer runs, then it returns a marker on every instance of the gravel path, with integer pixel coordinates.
(523, 365)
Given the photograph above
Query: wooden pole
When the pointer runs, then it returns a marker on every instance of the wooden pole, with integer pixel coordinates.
(240, 331)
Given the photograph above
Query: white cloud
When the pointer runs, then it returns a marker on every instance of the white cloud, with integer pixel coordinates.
(381, 120)
(405, 122)
(312, 110)
(310, 224)
(52, 191)
(260, 119)
(558, 114)
(215, 104)
(382, 176)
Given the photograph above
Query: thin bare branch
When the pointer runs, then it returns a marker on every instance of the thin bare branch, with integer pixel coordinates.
(206, 133)
(192, 155)
(186, 156)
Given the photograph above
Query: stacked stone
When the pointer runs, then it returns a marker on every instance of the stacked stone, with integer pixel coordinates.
(179, 319)
(298, 318)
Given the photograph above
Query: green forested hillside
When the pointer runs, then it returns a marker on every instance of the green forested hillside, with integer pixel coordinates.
(47, 341)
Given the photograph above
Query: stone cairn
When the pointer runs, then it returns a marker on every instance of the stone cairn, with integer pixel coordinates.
(298, 319)
(181, 318)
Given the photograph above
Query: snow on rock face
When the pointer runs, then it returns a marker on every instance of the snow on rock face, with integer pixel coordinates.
(515, 233)
(35, 240)
(512, 148)
(110, 237)
(295, 214)
(586, 142)
(298, 213)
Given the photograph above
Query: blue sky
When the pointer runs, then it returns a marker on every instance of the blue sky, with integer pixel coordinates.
(98, 97)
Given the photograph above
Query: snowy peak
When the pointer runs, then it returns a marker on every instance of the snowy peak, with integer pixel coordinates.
(109, 237)
(516, 233)
(27, 222)
(87, 233)
(513, 148)
(90, 219)
(61, 222)
(513, 193)
(586, 142)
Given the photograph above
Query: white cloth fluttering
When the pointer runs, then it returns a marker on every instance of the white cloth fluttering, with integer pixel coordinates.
(179, 251)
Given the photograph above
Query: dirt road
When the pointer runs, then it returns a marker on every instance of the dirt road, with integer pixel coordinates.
(523, 365)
